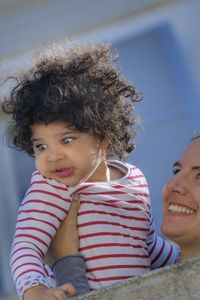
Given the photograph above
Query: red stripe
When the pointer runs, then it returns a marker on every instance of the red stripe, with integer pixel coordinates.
(47, 193)
(134, 168)
(28, 242)
(139, 186)
(116, 201)
(99, 202)
(118, 267)
(42, 221)
(140, 194)
(28, 271)
(40, 211)
(111, 214)
(110, 233)
(115, 255)
(117, 193)
(109, 278)
(26, 264)
(82, 188)
(32, 237)
(26, 248)
(22, 256)
(113, 224)
(62, 188)
(109, 245)
(104, 193)
(120, 186)
(135, 176)
(44, 202)
(36, 229)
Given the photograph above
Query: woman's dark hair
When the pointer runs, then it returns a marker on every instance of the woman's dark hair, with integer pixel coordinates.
(82, 87)
(195, 136)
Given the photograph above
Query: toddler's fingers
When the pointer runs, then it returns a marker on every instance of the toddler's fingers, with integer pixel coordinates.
(69, 289)
(75, 204)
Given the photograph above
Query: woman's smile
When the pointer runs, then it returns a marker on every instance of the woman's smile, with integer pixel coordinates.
(180, 209)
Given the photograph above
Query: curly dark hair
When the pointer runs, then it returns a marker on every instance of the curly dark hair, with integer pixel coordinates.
(83, 87)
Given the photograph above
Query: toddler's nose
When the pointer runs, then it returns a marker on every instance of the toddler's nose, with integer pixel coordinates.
(54, 156)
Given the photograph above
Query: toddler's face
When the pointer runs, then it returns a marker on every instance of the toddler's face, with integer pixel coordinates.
(67, 155)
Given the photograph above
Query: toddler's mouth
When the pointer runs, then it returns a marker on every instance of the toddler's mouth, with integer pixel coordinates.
(63, 172)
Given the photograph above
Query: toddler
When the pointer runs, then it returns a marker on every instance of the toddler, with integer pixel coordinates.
(74, 114)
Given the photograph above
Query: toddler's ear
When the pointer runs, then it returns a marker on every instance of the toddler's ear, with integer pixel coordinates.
(104, 146)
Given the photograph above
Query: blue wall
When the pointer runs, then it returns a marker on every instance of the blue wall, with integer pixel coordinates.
(170, 109)
(159, 52)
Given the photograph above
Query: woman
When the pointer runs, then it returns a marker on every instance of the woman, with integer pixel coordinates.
(181, 202)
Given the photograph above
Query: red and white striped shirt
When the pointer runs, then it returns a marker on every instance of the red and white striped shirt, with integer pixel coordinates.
(117, 237)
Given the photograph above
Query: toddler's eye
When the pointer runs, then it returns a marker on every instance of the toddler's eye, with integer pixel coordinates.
(67, 140)
(41, 147)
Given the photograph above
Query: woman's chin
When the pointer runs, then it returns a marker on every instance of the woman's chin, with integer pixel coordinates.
(173, 230)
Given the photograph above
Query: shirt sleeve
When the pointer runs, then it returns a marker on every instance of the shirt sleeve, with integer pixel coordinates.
(39, 216)
(161, 252)
(72, 269)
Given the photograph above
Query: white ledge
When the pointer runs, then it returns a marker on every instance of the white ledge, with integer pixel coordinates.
(180, 281)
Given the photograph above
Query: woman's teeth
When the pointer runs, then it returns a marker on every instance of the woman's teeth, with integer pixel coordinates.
(180, 209)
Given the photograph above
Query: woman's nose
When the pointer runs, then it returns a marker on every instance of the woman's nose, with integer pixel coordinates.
(178, 183)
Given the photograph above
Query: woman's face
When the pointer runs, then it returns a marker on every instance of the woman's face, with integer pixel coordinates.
(181, 199)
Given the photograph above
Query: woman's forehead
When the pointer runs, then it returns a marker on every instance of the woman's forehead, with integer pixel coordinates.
(191, 155)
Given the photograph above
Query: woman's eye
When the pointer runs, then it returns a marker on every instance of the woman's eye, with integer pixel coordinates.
(197, 176)
(175, 170)
(67, 140)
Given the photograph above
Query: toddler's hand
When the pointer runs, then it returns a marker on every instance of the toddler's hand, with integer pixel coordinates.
(43, 293)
